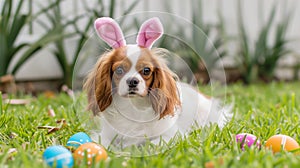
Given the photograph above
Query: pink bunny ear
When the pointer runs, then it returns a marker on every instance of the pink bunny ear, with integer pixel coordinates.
(150, 31)
(109, 30)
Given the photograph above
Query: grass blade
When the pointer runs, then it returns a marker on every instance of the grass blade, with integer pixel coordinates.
(1, 101)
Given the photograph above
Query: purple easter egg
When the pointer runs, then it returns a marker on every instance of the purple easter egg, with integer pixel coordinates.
(249, 139)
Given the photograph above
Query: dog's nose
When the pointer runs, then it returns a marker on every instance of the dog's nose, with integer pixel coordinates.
(132, 82)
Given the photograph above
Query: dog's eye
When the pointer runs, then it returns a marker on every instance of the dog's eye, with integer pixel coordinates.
(146, 71)
(119, 71)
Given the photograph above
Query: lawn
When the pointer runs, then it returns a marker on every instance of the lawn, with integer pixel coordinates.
(263, 110)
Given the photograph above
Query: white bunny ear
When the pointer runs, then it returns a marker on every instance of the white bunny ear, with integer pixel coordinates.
(110, 31)
(150, 31)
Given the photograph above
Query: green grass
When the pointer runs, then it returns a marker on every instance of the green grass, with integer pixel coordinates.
(263, 110)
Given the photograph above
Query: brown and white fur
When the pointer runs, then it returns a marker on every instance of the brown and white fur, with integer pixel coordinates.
(135, 96)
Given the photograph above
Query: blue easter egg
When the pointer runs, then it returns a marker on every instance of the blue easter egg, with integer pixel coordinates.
(78, 139)
(58, 156)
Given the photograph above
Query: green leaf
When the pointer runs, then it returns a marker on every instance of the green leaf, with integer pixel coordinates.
(277, 50)
(261, 44)
(245, 53)
(44, 10)
(17, 25)
(129, 9)
(36, 46)
(15, 50)
(81, 42)
(4, 54)
(6, 15)
(112, 8)
(60, 54)
(17, 12)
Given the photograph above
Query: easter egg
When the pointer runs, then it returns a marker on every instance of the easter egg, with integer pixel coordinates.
(279, 142)
(58, 157)
(248, 139)
(90, 151)
(78, 139)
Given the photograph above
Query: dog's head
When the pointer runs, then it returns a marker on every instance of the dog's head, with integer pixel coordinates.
(131, 70)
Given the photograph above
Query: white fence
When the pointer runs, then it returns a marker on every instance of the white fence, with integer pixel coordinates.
(44, 66)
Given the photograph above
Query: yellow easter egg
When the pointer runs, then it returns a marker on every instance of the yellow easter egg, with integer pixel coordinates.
(92, 150)
(279, 142)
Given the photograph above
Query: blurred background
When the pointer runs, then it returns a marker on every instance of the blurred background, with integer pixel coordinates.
(249, 41)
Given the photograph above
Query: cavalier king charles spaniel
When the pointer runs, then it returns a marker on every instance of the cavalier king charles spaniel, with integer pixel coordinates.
(135, 96)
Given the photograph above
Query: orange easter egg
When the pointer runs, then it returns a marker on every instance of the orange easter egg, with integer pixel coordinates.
(279, 142)
(92, 150)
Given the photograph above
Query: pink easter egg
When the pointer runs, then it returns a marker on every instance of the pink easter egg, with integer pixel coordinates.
(246, 138)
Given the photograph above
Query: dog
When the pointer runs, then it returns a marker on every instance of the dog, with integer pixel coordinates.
(135, 96)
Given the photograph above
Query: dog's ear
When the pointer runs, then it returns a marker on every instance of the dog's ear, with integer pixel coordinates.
(98, 86)
(110, 31)
(150, 31)
(164, 95)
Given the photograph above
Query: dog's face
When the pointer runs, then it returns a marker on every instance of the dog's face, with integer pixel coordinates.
(133, 73)
(131, 70)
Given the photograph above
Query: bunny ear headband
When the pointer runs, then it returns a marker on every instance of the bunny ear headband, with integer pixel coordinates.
(110, 31)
